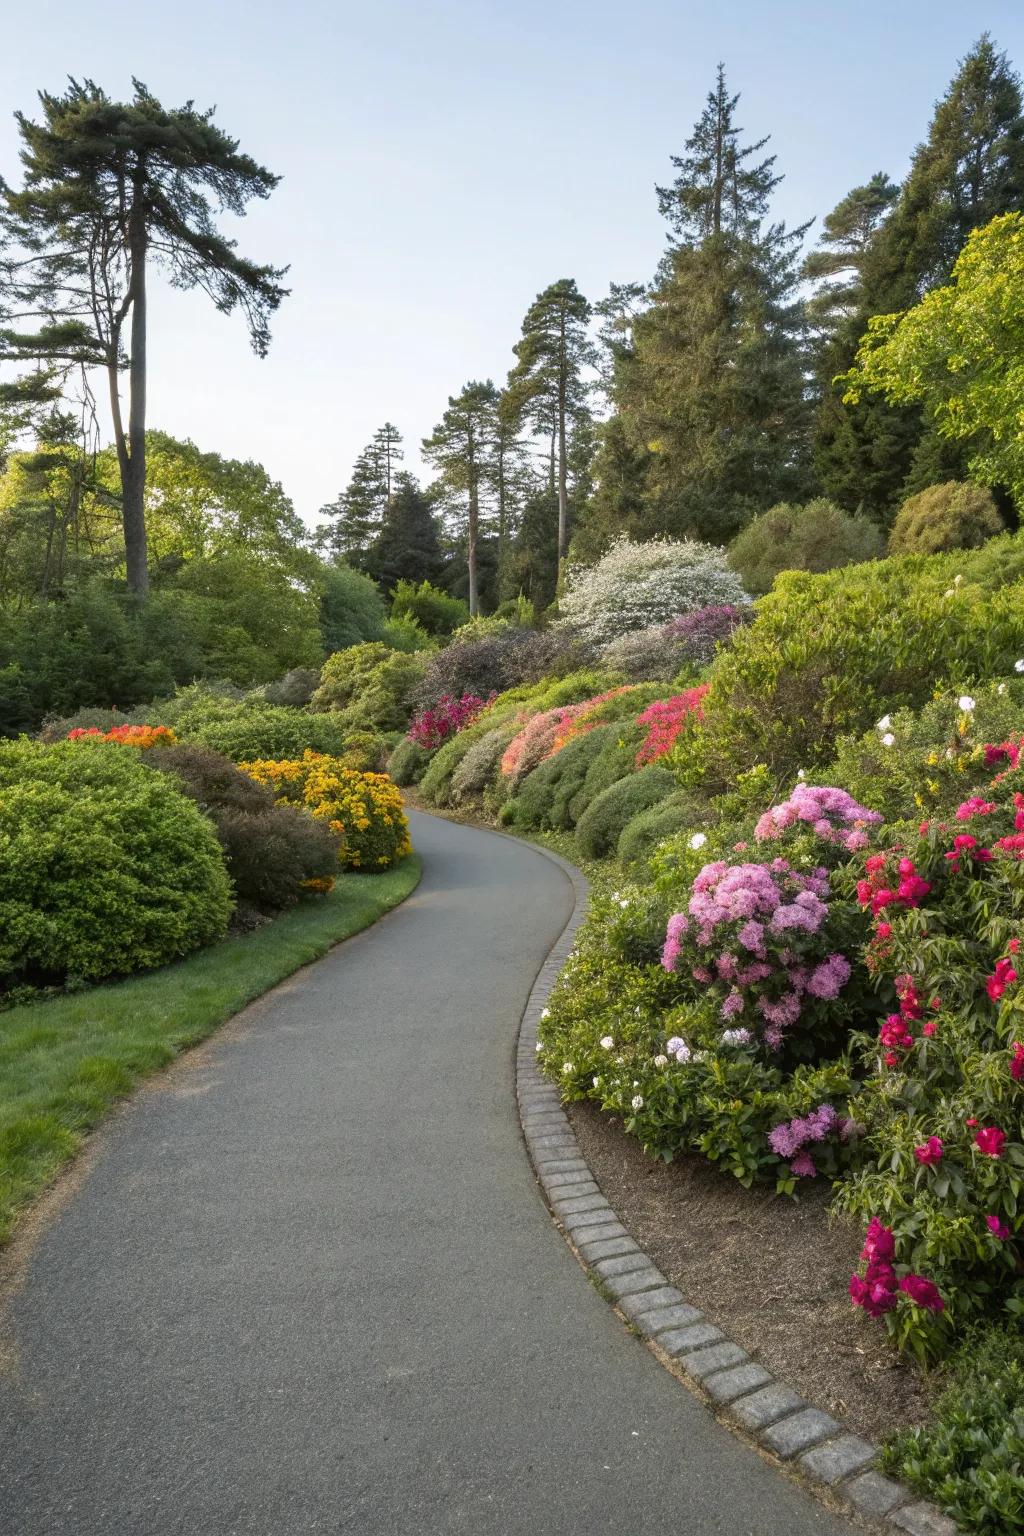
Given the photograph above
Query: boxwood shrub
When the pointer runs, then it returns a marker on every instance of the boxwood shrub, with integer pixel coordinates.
(602, 823)
(106, 867)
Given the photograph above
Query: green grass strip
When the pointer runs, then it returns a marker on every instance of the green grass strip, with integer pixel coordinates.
(64, 1062)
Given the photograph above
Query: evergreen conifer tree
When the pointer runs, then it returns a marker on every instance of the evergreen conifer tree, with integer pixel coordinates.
(711, 388)
(461, 449)
(112, 189)
(407, 546)
(547, 386)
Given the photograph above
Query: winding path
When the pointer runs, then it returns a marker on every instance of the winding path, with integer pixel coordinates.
(309, 1284)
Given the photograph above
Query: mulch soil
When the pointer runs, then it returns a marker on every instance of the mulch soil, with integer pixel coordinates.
(771, 1272)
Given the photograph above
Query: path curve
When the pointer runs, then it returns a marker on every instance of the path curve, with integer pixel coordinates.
(309, 1284)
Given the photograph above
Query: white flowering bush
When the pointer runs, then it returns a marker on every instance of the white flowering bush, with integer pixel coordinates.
(635, 586)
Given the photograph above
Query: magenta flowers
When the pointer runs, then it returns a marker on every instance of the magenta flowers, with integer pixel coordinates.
(990, 1140)
(433, 726)
(930, 1153)
(793, 1138)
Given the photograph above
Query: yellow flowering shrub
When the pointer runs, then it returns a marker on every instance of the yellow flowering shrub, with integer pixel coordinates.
(364, 809)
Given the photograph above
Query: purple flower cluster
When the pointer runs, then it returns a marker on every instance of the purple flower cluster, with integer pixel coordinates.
(791, 1139)
(700, 633)
(751, 929)
(831, 814)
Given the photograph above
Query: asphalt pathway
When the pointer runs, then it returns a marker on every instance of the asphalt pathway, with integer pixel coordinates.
(309, 1284)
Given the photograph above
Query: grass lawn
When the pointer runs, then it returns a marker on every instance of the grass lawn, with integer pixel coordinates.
(66, 1060)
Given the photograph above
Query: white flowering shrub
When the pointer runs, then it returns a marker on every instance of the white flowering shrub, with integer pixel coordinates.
(635, 586)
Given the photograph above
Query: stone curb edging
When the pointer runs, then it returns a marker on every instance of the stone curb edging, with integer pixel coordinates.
(783, 1424)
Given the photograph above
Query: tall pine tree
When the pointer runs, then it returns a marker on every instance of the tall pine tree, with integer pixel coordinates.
(356, 516)
(461, 449)
(548, 385)
(711, 389)
(113, 189)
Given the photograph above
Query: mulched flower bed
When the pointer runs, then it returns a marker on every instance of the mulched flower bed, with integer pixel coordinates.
(771, 1272)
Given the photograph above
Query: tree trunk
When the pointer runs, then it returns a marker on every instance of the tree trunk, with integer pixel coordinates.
(133, 486)
(474, 517)
(563, 489)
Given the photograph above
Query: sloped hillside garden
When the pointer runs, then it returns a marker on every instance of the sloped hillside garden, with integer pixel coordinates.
(805, 978)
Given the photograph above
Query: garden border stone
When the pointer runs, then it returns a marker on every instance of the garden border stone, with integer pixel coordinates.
(826, 1452)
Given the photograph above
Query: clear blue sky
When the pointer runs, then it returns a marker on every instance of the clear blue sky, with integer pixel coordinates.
(444, 161)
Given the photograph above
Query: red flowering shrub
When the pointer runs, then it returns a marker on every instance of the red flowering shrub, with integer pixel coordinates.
(943, 1105)
(665, 719)
(431, 727)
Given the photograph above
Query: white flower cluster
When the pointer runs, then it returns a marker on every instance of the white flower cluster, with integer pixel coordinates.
(636, 585)
(883, 725)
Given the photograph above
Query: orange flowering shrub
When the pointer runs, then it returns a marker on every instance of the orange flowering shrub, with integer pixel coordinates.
(364, 809)
(142, 736)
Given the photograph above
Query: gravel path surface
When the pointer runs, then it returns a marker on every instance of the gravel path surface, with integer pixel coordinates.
(309, 1285)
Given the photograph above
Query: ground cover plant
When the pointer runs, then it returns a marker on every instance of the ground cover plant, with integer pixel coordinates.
(65, 1061)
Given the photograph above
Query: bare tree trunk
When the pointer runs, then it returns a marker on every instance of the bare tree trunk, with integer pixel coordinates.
(563, 488)
(474, 519)
(134, 486)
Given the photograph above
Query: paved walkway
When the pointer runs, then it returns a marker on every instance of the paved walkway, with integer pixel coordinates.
(310, 1285)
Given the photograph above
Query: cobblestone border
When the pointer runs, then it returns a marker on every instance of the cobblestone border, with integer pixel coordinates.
(745, 1392)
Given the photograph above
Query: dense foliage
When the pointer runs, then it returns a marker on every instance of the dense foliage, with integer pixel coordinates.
(107, 868)
(363, 810)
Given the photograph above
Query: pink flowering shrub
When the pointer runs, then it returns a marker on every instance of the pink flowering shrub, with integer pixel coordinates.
(548, 732)
(665, 719)
(432, 727)
(831, 814)
(757, 938)
(943, 1103)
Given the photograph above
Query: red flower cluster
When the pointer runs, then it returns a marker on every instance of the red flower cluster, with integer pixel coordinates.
(967, 847)
(1007, 752)
(1017, 1061)
(876, 1291)
(433, 726)
(880, 892)
(895, 1034)
(990, 1140)
(1002, 977)
(930, 1153)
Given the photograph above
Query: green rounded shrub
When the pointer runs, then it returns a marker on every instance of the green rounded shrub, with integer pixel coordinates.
(601, 825)
(828, 655)
(436, 783)
(956, 515)
(407, 762)
(544, 797)
(642, 835)
(614, 759)
(271, 851)
(106, 867)
(480, 764)
(370, 686)
(816, 537)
